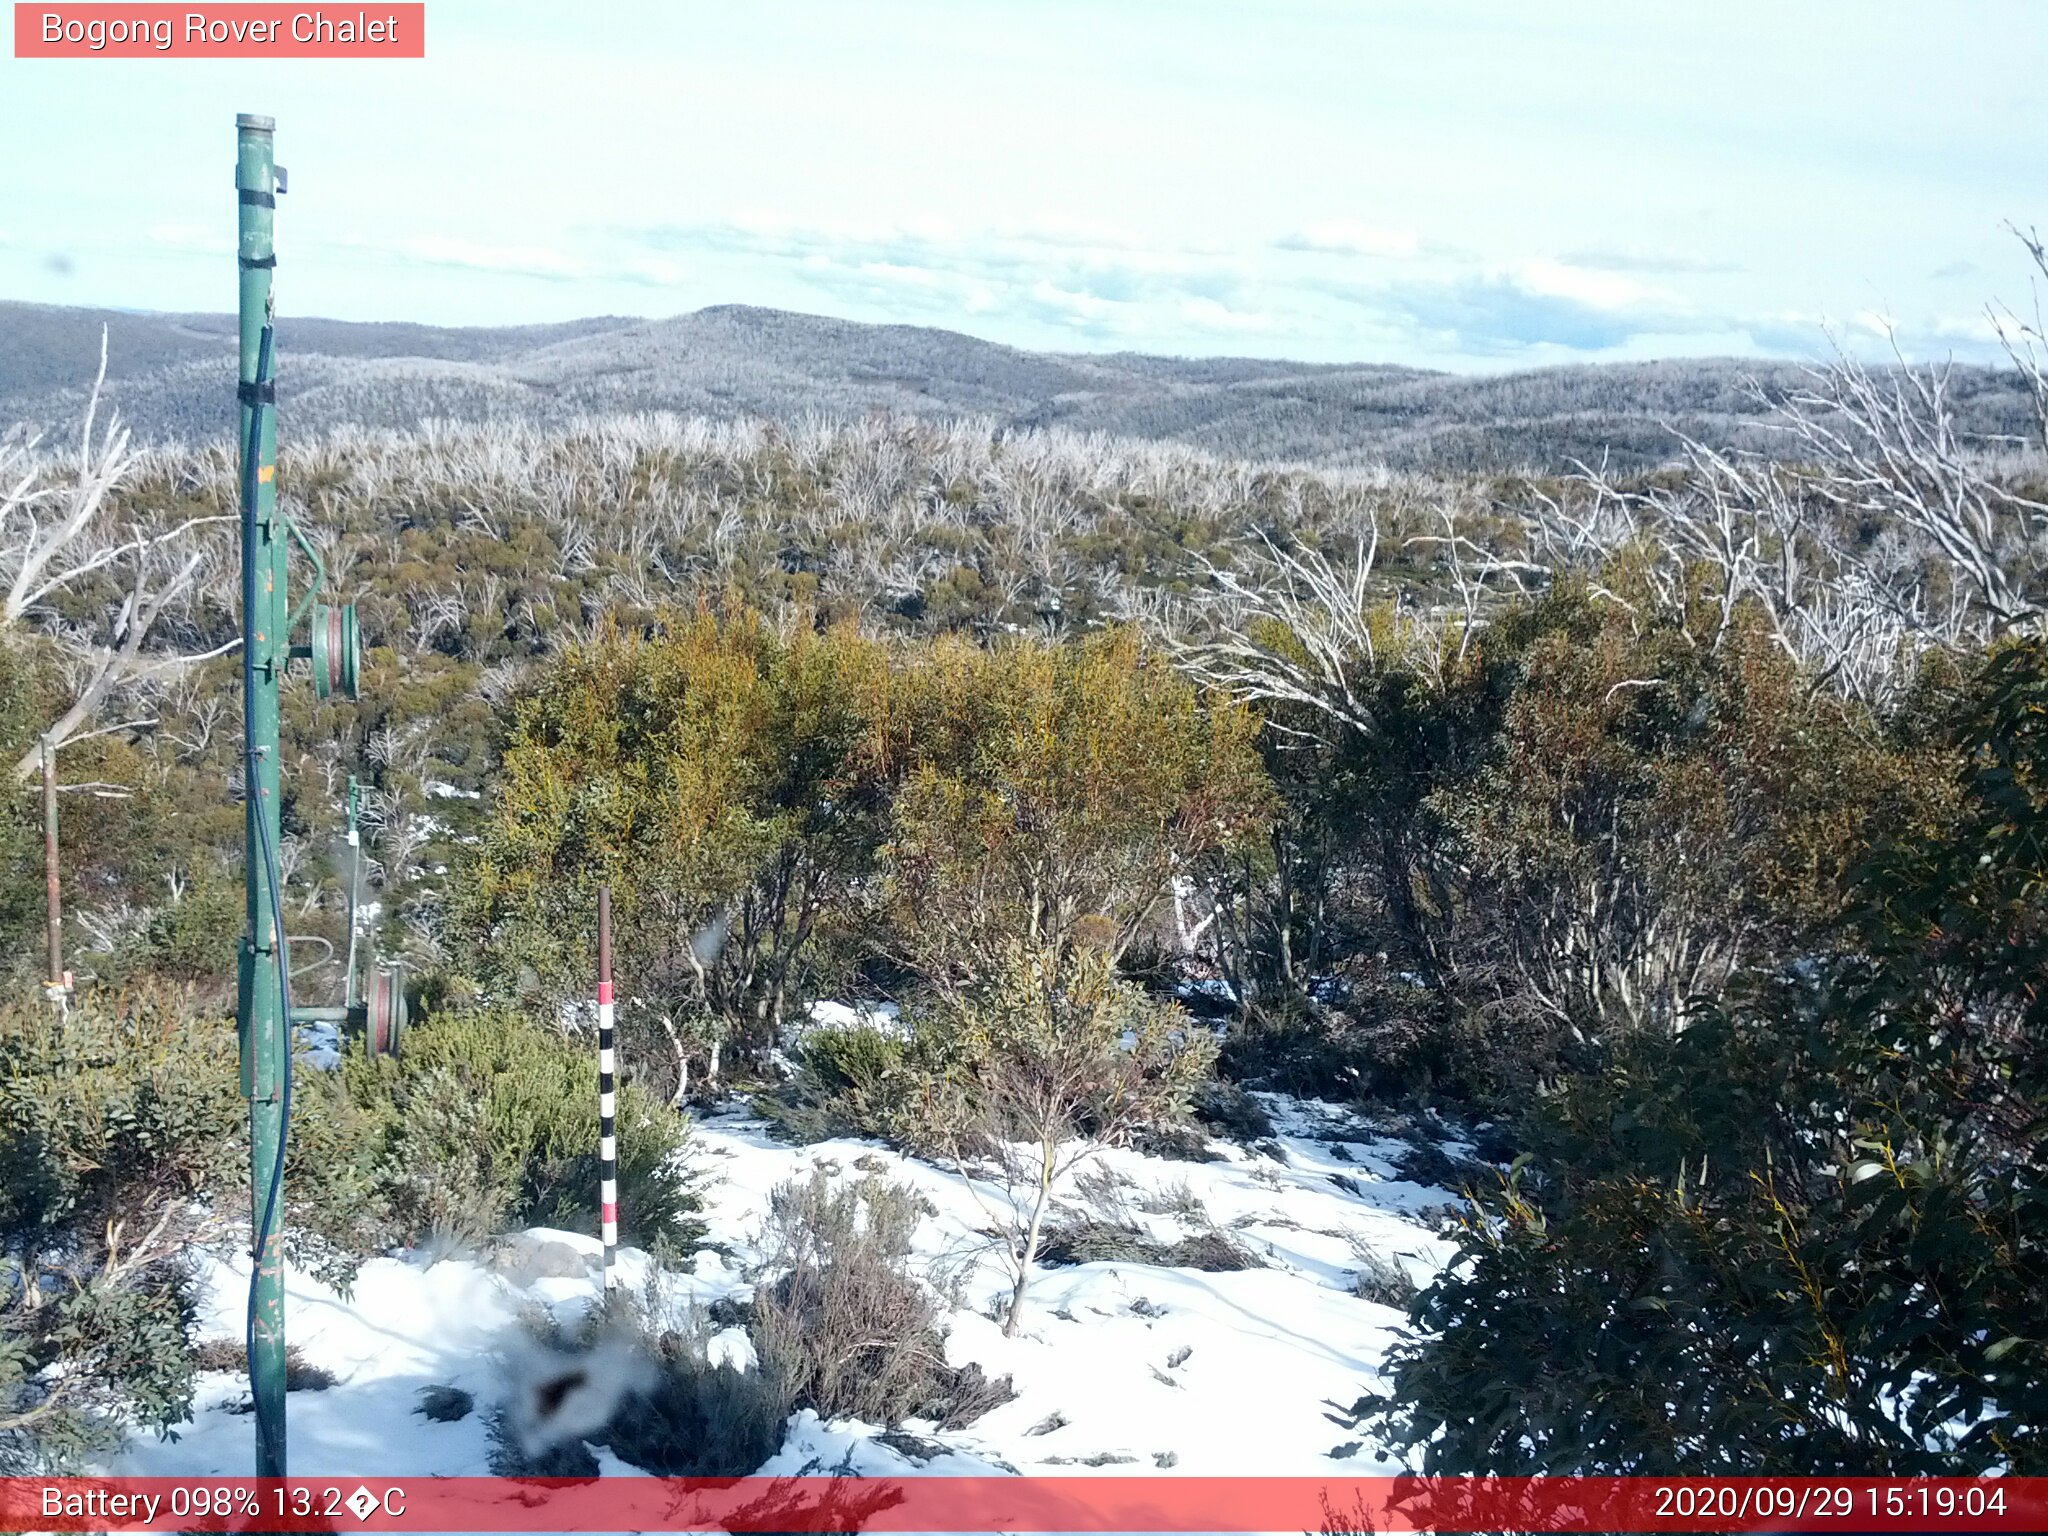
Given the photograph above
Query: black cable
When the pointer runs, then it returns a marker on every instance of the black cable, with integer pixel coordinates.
(252, 789)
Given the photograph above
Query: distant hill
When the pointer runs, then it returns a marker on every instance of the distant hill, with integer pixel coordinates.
(172, 378)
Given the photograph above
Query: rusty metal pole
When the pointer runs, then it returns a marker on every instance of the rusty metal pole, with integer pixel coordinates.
(57, 989)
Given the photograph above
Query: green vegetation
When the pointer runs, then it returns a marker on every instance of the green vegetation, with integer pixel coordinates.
(1688, 826)
(119, 1125)
(1804, 1234)
(124, 1146)
(487, 1124)
(1044, 1062)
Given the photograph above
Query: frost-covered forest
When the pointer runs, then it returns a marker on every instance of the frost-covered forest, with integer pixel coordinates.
(1096, 882)
(172, 376)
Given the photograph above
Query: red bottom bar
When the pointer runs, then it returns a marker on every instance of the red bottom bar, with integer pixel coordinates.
(1051, 1504)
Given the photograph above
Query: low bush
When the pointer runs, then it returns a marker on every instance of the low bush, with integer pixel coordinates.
(850, 1081)
(1051, 1060)
(1223, 1107)
(1093, 1241)
(667, 1408)
(700, 1419)
(123, 1147)
(1382, 1279)
(844, 1322)
(300, 1374)
(489, 1121)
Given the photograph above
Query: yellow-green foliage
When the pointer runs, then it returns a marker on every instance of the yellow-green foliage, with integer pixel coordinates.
(1045, 786)
(743, 785)
(724, 776)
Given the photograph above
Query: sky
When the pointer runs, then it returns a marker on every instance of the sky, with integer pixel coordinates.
(1471, 186)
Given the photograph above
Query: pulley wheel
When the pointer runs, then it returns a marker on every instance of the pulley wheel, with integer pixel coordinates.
(384, 1026)
(336, 649)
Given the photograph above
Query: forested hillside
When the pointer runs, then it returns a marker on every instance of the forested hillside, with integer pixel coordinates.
(172, 377)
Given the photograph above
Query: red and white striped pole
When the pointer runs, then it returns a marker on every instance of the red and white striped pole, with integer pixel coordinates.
(607, 1094)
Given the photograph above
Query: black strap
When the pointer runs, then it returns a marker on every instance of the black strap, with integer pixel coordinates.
(251, 263)
(257, 394)
(257, 199)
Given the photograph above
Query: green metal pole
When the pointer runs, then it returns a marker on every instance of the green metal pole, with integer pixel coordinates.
(265, 1042)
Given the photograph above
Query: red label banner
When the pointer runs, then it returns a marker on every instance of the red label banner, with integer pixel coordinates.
(102, 31)
(1063, 1504)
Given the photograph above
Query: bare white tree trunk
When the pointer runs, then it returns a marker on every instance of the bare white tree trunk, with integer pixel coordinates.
(53, 537)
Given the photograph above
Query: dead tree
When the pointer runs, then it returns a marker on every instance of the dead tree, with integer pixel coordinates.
(58, 537)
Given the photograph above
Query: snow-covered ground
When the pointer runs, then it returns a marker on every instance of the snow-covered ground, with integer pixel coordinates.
(1127, 1367)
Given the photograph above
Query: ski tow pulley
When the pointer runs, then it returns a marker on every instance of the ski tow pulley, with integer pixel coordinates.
(383, 1022)
(336, 650)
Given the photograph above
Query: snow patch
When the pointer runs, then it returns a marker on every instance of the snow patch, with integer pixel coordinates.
(1119, 1366)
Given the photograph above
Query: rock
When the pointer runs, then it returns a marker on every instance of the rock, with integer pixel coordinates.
(445, 1405)
(524, 1257)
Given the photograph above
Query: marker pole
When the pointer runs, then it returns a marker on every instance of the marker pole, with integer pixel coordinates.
(607, 1094)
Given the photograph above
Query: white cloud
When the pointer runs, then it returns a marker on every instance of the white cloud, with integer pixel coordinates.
(531, 260)
(1349, 237)
(1603, 289)
(1209, 315)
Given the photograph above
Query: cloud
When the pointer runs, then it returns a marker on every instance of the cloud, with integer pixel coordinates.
(1348, 237)
(1109, 287)
(1608, 258)
(1097, 283)
(1499, 315)
(477, 256)
(1335, 290)
(1593, 287)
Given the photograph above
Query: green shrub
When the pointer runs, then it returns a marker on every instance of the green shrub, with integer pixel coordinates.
(489, 1121)
(1809, 1233)
(21, 888)
(717, 764)
(849, 1081)
(1052, 1058)
(1049, 795)
(123, 1145)
(194, 937)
